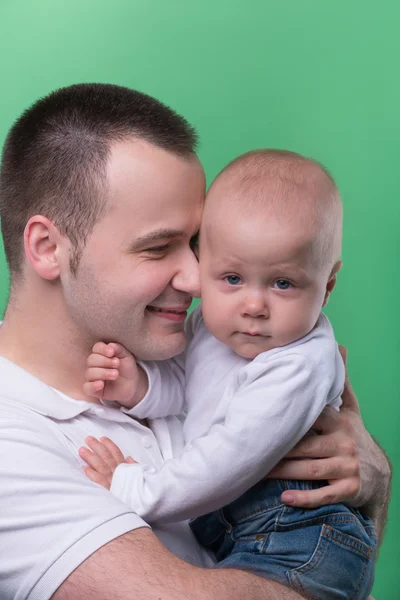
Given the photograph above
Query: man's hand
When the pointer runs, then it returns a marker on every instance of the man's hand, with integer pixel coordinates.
(114, 375)
(345, 455)
(103, 458)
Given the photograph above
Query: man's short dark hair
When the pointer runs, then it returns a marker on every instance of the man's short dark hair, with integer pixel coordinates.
(55, 157)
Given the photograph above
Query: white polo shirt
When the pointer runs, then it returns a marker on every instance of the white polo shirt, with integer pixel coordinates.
(51, 516)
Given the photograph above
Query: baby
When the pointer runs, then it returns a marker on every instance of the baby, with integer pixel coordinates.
(260, 366)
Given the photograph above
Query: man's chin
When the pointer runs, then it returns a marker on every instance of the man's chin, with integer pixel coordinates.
(163, 348)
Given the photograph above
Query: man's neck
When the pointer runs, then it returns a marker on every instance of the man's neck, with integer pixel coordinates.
(41, 340)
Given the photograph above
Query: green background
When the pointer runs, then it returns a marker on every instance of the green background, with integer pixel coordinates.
(320, 78)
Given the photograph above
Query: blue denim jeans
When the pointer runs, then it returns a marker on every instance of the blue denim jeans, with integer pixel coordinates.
(326, 553)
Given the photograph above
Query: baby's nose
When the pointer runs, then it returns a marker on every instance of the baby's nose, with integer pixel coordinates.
(255, 306)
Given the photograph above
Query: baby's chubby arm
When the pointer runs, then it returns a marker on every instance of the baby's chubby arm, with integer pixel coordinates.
(114, 376)
(145, 390)
(269, 412)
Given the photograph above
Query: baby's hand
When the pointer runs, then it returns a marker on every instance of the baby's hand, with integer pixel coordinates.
(103, 458)
(113, 375)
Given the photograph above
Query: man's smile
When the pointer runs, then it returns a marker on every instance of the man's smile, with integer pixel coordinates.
(172, 313)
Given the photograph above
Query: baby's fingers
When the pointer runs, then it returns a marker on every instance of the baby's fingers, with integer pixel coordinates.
(110, 350)
(113, 449)
(98, 373)
(104, 349)
(93, 388)
(96, 477)
(101, 361)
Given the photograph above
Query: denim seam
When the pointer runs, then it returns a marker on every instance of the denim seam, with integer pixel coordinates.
(326, 535)
(277, 520)
(294, 573)
(356, 545)
(261, 511)
(366, 563)
(333, 519)
(320, 521)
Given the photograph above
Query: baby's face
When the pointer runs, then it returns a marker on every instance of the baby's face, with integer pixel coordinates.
(261, 285)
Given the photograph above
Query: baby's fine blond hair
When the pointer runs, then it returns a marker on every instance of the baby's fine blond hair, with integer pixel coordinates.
(285, 185)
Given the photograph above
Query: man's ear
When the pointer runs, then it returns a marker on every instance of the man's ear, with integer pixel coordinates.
(332, 281)
(42, 243)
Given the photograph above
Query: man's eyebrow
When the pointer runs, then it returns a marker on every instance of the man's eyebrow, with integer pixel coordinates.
(154, 236)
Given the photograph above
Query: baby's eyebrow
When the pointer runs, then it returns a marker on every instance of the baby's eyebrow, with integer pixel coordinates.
(154, 236)
(289, 269)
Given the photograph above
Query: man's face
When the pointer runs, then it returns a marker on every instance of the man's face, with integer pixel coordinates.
(138, 274)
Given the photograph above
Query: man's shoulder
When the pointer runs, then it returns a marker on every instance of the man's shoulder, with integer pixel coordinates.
(23, 429)
(25, 390)
(25, 404)
(20, 411)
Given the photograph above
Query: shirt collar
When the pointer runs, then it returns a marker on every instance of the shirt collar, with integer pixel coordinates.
(19, 386)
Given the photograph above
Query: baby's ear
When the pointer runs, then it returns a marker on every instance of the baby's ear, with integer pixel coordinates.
(332, 281)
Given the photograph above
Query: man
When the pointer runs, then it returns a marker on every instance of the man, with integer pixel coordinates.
(101, 196)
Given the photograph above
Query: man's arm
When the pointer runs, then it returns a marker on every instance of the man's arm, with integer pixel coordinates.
(345, 454)
(136, 566)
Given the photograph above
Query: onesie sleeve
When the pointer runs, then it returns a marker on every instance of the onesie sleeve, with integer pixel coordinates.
(166, 394)
(274, 405)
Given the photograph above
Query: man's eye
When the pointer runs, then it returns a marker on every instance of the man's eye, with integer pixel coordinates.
(158, 249)
(282, 284)
(233, 279)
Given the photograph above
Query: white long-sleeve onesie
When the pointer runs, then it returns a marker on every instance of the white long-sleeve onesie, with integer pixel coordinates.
(242, 417)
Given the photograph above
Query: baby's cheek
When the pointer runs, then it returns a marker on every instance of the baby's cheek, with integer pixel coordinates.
(294, 326)
(215, 317)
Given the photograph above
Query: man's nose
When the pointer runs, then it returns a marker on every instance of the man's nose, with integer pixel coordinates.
(255, 305)
(187, 278)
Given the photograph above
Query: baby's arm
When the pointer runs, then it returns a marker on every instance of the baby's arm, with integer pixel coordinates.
(145, 390)
(274, 407)
(114, 375)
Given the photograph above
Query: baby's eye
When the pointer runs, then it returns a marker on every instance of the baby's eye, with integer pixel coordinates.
(282, 284)
(233, 279)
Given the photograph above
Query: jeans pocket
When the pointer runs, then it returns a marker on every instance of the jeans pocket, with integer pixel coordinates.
(341, 568)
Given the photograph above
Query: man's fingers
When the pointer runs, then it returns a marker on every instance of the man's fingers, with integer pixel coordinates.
(315, 447)
(96, 477)
(96, 373)
(327, 421)
(336, 492)
(130, 461)
(324, 446)
(93, 388)
(343, 354)
(349, 399)
(113, 449)
(316, 469)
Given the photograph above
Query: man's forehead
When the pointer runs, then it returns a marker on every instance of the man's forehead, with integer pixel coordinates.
(139, 153)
